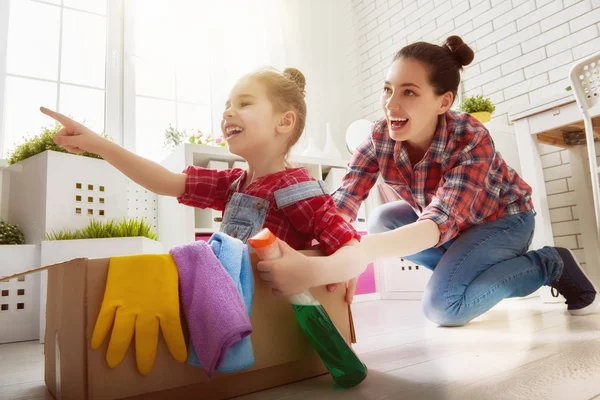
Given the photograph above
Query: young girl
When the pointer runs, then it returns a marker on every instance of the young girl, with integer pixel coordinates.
(466, 214)
(263, 118)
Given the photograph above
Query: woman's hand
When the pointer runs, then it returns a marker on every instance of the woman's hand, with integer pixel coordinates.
(350, 288)
(292, 273)
(74, 137)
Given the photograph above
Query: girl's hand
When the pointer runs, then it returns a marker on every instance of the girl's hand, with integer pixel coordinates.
(292, 273)
(74, 137)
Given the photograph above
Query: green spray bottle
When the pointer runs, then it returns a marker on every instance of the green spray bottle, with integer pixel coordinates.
(343, 364)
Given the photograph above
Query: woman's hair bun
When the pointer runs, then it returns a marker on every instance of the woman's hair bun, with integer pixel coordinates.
(296, 76)
(461, 52)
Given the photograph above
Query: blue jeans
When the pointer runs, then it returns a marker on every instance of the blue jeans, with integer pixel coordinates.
(478, 268)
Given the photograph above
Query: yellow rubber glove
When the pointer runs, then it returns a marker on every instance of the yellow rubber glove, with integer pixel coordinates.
(141, 292)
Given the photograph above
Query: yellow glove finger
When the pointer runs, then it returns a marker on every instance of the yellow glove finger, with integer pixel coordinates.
(173, 334)
(122, 334)
(103, 325)
(146, 340)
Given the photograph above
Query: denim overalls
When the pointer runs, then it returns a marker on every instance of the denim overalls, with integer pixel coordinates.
(245, 215)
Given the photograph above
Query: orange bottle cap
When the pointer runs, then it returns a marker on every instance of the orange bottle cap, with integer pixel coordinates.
(262, 239)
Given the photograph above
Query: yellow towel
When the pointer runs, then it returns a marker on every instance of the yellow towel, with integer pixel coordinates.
(141, 292)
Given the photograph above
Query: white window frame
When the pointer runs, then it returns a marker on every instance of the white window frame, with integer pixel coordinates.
(128, 83)
(113, 86)
(4, 12)
(113, 108)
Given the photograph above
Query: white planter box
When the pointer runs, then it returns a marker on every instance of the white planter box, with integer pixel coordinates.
(53, 252)
(19, 297)
(53, 191)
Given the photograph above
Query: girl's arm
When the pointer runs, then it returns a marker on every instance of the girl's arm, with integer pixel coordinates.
(76, 138)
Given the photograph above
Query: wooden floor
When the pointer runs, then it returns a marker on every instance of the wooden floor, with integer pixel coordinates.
(519, 350)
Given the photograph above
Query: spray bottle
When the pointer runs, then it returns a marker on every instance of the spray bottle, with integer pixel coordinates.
(343, 364)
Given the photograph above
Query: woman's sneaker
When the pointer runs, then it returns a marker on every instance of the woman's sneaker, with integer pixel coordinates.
(575, 286)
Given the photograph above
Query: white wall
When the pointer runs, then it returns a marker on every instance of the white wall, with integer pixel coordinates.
(562, 200)
(523, 49)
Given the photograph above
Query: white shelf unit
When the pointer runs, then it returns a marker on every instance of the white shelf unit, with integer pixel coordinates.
(179, 224)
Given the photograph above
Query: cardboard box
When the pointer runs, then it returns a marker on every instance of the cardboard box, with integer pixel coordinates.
(74, 371)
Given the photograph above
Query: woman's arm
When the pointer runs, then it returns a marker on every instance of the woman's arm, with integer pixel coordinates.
(76, 138)
(351, 261)
(295, 272)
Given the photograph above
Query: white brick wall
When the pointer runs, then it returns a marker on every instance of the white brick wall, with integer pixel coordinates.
(561, 199)
(523, 48)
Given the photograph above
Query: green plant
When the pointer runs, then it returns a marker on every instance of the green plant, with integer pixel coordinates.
(10, 234)
(174, 138)
(201, 138)
(114, 228)
(42, 142)
(477, 104)
(63, 234)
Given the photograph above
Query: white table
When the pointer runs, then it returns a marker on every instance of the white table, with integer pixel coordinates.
(546, 122)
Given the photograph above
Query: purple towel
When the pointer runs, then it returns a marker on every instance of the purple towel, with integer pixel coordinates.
(216, 316)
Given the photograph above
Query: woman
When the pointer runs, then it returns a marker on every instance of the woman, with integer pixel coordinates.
(466, 215)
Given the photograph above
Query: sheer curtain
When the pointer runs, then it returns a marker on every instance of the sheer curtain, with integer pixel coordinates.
(188, 55)
(181, 59)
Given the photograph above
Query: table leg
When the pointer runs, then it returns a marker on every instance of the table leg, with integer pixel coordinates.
(532, 172)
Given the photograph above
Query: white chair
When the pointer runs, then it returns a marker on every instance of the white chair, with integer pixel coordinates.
(585, 82)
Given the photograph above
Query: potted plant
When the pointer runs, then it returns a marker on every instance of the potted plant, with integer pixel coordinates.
(19, 301)
(47, 188)
(40, 143)
(174, 138)
(98, 239)
(10, 234)
(113, 228)
(479, 107)
(201, 138)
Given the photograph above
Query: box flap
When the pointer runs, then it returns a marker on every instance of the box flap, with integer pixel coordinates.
(38, 269)
(64, 348)
(351, 321)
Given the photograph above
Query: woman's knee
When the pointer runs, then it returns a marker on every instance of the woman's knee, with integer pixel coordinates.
(390, 216)
(439, 310)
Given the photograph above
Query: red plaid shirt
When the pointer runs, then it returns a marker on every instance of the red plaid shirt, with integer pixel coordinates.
(460, 182)
(297, 224)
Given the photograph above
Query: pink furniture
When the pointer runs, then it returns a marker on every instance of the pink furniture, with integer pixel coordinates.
(366, 281)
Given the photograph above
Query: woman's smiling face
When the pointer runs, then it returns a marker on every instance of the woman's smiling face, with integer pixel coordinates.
(409, 101)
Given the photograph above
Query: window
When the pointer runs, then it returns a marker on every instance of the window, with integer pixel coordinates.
(182, 58)
(170, 73)
(59, 64)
